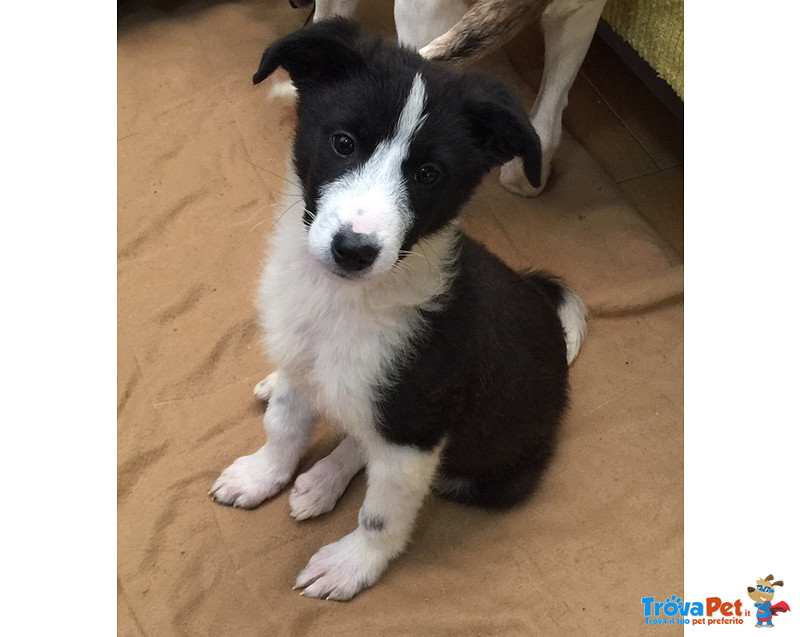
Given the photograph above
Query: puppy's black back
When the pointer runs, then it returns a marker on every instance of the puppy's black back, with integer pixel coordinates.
(488, 376)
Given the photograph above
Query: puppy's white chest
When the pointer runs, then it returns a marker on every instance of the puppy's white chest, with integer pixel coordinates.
(328, 335)
(340, 340)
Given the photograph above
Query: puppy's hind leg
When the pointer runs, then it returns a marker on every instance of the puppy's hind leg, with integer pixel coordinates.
(318, 490)
(568, 29)
(289, 422)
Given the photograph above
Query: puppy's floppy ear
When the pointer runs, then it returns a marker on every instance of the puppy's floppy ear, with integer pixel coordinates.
(323, 51)
(502, 127)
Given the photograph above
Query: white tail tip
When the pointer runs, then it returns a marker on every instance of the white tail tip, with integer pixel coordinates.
(572, 313)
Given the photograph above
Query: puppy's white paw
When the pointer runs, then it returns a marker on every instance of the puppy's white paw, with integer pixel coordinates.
(512, 177)
(249, 481)
(263, 390)
(316, 491)
(341, 570)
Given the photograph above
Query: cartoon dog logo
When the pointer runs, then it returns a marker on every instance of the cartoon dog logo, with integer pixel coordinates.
(762, 595)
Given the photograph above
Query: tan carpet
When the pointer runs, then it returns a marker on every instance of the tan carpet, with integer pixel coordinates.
(201, 157)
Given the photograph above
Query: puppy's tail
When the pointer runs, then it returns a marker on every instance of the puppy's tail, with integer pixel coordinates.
(571, 310)
(572, 313)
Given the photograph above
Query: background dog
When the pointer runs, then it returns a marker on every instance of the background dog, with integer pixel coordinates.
(459, 31)
(444, 368)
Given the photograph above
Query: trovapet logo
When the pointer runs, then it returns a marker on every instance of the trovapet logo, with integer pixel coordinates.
(714, 610)
(675, 611)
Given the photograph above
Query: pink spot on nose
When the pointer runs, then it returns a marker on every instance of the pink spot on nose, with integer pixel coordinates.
(363, 223)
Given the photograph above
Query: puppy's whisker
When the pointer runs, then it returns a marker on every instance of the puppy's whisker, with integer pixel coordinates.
(432, 268)
(404, 271)
(280, 216)
(258, 212)
(311, 215)
(274, 174)
(268, 206)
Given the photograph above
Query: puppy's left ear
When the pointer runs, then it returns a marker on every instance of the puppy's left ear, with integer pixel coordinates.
(322, 52)
(502, 127)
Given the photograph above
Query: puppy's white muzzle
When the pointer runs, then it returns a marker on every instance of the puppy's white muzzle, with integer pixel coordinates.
(357, 232)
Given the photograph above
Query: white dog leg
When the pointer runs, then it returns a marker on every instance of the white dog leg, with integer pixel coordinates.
(329, 8)
(568, 29)
(289, 422)
(318, 490)
(398, 479)
(418, 22)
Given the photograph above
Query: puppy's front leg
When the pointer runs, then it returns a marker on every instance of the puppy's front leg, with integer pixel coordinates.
(289, 422)
(398, 479)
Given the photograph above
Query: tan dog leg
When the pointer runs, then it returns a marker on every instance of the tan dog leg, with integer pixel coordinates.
(568, 29)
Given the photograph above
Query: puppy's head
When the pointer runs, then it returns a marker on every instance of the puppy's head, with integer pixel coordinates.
(388, 146)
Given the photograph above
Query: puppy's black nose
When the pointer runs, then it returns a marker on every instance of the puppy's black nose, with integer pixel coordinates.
(353, 251)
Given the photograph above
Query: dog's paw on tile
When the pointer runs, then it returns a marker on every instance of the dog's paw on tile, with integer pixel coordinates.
(513, 179)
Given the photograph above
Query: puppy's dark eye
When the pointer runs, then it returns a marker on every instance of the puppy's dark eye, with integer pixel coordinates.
(427, 175)
(343, 144)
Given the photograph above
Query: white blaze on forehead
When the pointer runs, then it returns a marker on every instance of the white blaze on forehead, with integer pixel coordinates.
(372, 198)
(381, 176)
(412, 117)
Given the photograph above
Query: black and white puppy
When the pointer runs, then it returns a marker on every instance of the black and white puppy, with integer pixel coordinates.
(445, 369)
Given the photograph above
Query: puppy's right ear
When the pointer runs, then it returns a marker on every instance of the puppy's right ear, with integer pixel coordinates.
(501, 126)
(324, 51)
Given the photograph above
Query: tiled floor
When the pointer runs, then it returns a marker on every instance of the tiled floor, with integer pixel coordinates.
(636, 139)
